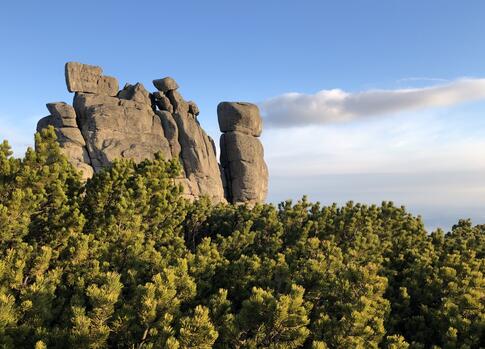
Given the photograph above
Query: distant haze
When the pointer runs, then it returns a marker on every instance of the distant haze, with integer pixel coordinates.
(432, 161)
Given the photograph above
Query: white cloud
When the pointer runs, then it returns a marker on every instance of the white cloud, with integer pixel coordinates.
(421, 79)
(332, 106)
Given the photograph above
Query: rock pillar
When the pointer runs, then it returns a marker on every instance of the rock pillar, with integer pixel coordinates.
(242, 155)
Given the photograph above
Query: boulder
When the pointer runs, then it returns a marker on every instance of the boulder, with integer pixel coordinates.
(162, 101)
(61, 110)
(165, 84)
(47, 121)
(128, 126)
(89, 79)
(82, 77)
(193, 108)
(239, 116)
(136, 93)
(64, 114)
(64, 134)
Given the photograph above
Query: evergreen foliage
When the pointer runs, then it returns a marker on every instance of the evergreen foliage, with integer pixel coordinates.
(123, 261)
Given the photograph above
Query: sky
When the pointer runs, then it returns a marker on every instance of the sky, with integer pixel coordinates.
(362, 100)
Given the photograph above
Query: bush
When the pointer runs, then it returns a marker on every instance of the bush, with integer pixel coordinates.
(123, 261)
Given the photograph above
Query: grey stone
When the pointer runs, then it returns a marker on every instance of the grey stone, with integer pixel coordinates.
(79, 158)
(89, 79)
(249, 182)
(158, 94)
(63, 113)
(166, 84)
(61, 110)
(239, 146)
(136, 93)
(108, 85)
(177, 101)
(118, 128)
(171, 132)
(162, 101)
(239, 116)
(71, 141)
(48, 121)
(70, 135)
(199, 159)
(193, 108)
(242, 154)
(82, 77)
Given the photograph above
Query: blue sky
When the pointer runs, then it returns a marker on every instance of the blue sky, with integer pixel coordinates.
(338, 139)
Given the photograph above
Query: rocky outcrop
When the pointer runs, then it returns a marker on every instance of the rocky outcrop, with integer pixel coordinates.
(242, 155)
(105, 124)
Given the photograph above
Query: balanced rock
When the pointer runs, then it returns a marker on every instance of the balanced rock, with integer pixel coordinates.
(165, 84)
(239, 116)
(89, 79)
(136, 93)
(242, 154)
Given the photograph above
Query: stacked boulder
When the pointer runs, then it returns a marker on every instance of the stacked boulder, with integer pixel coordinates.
(89, 79)
(242, 154)
(105, 123)
(63, 118)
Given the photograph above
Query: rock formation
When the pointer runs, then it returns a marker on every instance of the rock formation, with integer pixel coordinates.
(242, 155)
(105, 124)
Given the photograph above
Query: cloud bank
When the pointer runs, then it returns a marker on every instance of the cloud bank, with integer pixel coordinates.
(333, 106)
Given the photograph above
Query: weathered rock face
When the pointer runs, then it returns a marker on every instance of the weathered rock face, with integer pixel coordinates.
(105, 124)
(242, 155)
(119, 128)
